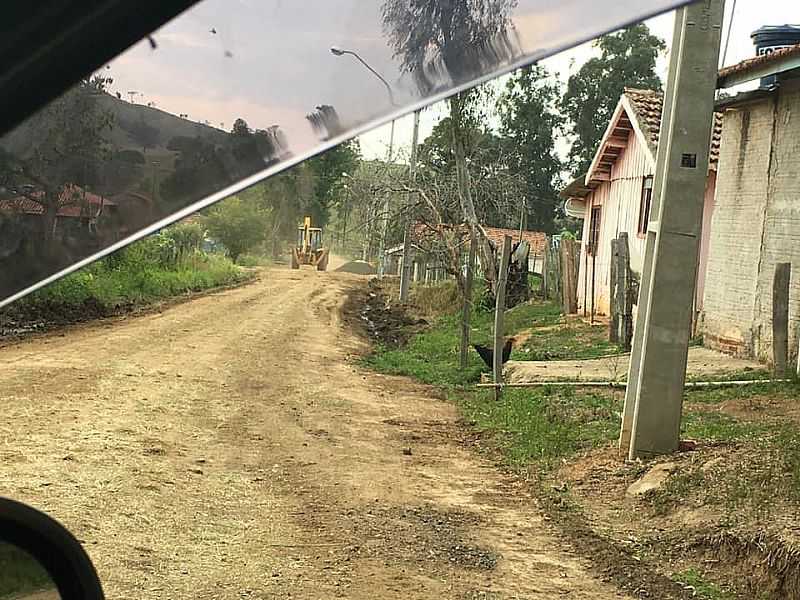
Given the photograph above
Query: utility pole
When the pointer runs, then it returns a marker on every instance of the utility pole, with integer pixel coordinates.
(384, 218)
(657, 375)
(408, 254)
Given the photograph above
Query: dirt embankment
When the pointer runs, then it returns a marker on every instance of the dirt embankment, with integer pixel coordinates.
(230, 447)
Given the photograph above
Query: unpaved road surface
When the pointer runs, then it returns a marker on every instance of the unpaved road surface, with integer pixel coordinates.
(229, 447)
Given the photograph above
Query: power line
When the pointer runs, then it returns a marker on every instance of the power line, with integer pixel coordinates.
(728, 37)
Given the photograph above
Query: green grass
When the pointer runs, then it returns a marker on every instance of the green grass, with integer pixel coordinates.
(717, 395)
(704, 590)
(533, 425)
(572, 340)
(111, 286)
(543, 425)
(254, 260)
(433, 356)
(711, 426)
(20, 573)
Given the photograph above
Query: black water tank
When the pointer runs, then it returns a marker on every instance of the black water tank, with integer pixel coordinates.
(769, 38)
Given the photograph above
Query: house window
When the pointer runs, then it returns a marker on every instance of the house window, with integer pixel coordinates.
(594, 230)
(644, 206)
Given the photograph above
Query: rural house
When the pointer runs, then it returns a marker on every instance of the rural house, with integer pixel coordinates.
(614, 196)
(756, 221)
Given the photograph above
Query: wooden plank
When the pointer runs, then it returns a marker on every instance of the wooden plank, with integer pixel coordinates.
(624, 294)
(780, 316)
(545, 268)
(499, 313)
(613, 321)
(569, 278)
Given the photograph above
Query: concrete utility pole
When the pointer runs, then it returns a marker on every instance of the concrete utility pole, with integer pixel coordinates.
(654, 396)
(384, 218)
(408, 255)
(499, 314)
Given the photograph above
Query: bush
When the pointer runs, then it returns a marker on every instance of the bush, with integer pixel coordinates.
(143, 272)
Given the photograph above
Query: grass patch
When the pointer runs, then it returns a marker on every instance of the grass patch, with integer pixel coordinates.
(713, 426)
(702, 589)
(544, 425)
(111, 284)
(775, 391)
(433, 356)
(20, 573)
(572, 340)
(254, 260)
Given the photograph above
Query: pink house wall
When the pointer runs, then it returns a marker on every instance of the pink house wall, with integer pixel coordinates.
(620, 199)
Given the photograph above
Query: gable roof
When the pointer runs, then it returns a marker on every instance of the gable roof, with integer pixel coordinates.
(638, 111)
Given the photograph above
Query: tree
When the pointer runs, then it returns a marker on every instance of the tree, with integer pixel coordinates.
(285, 199)
(463, 38)
(328, 169)
(67, 149)
(200, 169)
(627, 59)
(238, 225)
(144, 134)
(530, 121)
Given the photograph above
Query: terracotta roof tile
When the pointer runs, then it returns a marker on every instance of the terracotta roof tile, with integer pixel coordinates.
(760, 61)
(648, 104)
(536, 239)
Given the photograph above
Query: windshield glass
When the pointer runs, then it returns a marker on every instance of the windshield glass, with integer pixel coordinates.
(397, 299)
(228, 93)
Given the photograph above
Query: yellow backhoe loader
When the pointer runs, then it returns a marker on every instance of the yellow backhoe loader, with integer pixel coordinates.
(309, 249)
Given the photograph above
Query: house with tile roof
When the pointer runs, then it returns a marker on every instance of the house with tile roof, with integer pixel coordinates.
(615, 196)
(756, 220)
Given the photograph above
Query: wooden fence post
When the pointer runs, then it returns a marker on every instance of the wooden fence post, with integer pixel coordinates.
(625, 296)
(569, 277)
(780, 317)
(499, 313)
(467, 306)
(614, 317)
(545, 267)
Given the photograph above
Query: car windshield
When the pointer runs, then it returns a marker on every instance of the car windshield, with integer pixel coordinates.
(227, 94)
(469, 299)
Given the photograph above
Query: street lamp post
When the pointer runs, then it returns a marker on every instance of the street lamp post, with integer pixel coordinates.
(336, 51)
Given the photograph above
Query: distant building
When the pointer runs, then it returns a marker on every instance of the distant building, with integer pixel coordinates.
(429, 267)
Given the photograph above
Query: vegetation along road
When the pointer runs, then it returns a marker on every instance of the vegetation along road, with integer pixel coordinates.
(230, 447)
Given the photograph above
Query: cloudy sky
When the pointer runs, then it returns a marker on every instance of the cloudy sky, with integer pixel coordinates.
(269, 61)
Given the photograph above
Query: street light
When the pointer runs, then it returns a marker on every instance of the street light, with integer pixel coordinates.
(336, 51)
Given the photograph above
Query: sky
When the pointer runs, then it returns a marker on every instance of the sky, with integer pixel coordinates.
(749, 16)
(269, 61)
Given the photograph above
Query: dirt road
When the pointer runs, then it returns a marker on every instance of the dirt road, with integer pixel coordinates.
(229, 447)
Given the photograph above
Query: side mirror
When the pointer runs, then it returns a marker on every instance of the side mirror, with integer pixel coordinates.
(40, 559)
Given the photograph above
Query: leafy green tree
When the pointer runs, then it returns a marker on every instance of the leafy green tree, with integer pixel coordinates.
(627, 59)
(530, 121)
(200, 169)
(238, 225)
(328, 169)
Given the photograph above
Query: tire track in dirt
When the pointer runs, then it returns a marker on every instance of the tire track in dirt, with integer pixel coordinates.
(229, 447)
